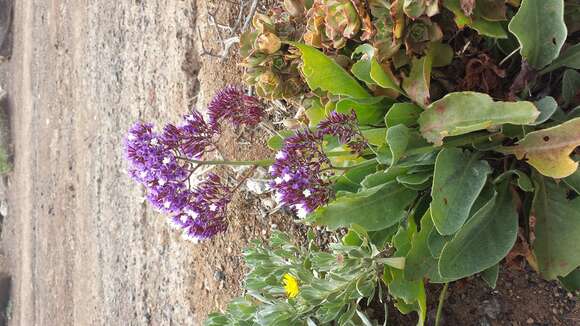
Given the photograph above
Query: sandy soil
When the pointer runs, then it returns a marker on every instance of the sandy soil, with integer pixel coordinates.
(79, 242)
(81, 246)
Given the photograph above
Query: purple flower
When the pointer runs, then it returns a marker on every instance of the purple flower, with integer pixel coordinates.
(160, 163)
(192, 138)
(345, 127)
(205, 214)
(300, 179)
(233, 104)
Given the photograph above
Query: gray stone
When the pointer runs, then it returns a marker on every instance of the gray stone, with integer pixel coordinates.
(491, 308)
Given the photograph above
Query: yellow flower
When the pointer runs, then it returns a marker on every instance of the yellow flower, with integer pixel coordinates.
(290, 285)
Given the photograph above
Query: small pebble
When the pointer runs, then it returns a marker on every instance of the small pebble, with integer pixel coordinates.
(530, 321)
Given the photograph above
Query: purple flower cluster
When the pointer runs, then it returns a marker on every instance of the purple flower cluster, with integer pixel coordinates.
(298, 172)
(193, 138)
(301, 169)
(345, 127)
(163, 163)
(233, 104)
(203, 215)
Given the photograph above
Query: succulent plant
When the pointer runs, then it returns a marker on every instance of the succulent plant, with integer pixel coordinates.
(384, 40)
(419, 33)
(270, 66)
(330, 23)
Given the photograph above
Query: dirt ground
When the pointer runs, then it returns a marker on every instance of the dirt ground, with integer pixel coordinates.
(79, 243)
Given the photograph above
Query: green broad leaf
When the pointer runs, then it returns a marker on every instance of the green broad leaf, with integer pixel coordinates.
(414, 179)
(375, 136)
(416, 85)
(492, 10)
(369, 111)
(383, 155)
(573, 181)
(482, 26)
(419, 305)
(374, 209)
(463, 112)
(352, 239)
(403, 113)
(493, 29)
(570, 58)
(321, 72)
(382, 237)
(557, 229)
(541, 39)
(570, 86)
(383, 76)
(398, 140)
(369, 70)
(548, 150)
(571, 282)
(547, 107)
(484, 240)
(362, 68)
(277, 141)
(315, 113)
(441, 54)
(523, 182)
(436, 242)
(458, 180)
(419, 262)
(401, 288)
(351, 180)
(381, 177)
(490, 276)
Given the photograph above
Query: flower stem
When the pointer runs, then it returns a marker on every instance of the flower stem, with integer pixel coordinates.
(440, 305)
(229, 162)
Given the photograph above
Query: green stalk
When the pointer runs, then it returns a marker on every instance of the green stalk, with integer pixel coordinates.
(440, 305)
(230, 162)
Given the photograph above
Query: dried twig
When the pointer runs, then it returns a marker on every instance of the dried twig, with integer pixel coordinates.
(233, 31)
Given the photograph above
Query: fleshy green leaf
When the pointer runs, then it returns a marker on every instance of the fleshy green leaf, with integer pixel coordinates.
(420, 263)
(398, 140)
(490, 275)
(374, 209)
(523, 181)
(557, 229)
(574, 181)
(570, 58)
(277, 141)
(382, 177)
(375, 136)
(549, 150)
(464, 112)
(315, 113)
(417, 83)
(368, 110)
(571, 281)
(483, 26)
(484, 240)
(370, 71)
(547, 106)
(362, 68)
(441, 54)
(492, 10)
(322, 72)
(570, 86)
(403, 113)
(383, 76)
(459, 178)
(540, 29)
